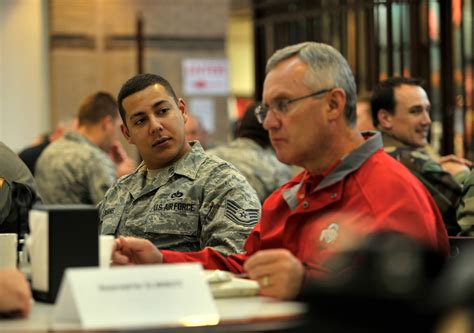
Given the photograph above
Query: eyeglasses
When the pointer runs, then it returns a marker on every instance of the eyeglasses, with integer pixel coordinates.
(281, 106)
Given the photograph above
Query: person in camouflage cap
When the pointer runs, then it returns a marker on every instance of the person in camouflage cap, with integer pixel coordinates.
(179, 198)
(400, 110)
(252, 153)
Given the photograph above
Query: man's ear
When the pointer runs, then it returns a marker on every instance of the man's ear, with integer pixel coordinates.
(385, 119)
(183, 108)
(126, 134)
(337, 102)
(106, 122)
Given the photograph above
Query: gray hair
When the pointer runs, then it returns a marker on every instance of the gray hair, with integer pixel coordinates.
(328, 68)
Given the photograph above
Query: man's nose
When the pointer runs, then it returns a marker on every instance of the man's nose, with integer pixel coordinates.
(155, 125)
(270, 120)
(426, 118)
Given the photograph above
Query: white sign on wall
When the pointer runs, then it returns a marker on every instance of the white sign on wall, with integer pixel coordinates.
(205, 77)
(205, 110)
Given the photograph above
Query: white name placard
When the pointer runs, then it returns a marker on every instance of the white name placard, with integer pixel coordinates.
(135, 297)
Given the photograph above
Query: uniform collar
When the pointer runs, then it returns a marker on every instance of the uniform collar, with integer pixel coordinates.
(188, 166)
(75, 136)
(391, 141)
(391, 144)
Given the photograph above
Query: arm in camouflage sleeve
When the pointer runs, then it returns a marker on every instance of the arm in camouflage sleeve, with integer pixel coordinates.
(101, 175)
(229, 211)
(465, 210)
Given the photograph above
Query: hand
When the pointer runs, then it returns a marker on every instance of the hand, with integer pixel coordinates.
(279, 273)
(454, 164)
(116, 152)
(135, 251)
(15, 292)
(454, 158)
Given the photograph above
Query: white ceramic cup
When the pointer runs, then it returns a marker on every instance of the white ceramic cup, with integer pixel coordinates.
(8, 250)
(106, 243)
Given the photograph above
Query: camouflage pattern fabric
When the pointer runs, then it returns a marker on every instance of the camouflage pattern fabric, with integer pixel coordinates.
(465, 211)
(259, 165)
(444, 188)
(199, 201)
(72, 170)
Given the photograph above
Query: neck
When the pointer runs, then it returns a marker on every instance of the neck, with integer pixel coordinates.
(91, 133)
(342, 145)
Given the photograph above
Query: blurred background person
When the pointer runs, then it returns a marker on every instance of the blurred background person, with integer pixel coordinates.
(196, 131)
(401, 111)
(252, 153)
(30, 154)
(82, 165)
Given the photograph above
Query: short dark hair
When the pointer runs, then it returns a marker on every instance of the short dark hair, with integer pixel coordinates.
(249, 127)
(384, 94)
(97, 106)
(138, 83)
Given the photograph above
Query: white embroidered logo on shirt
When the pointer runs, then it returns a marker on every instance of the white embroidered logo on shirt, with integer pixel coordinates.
(329, 235)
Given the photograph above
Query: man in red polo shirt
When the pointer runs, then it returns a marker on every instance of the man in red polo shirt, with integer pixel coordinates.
(349, 189)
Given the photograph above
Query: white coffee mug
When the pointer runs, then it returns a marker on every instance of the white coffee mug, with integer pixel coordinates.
(8, 250)
(106, 244)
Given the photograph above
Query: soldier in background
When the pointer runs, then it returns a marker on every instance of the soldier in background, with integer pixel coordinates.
(81, 166)
(195, 131)
(179, 198)
(400, 110)
(30, 154)
(252, 153)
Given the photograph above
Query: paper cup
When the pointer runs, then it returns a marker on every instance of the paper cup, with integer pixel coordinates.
(106, 243)
(8, 250)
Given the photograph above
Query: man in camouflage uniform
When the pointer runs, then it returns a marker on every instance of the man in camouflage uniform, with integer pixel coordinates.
(400, 110)
(251, 152)
(77, 168)
(179, 198)
(17, 192)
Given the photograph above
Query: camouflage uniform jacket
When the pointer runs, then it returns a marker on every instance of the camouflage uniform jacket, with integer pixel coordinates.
(18, 192)
(444, 188)
(199, 201)
(465, 211)
(73, 170)
(259, 165)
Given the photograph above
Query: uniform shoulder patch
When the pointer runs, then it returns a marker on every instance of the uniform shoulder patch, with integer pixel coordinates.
(239, 215)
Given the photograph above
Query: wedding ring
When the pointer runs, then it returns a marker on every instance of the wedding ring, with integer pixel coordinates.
(265, 282)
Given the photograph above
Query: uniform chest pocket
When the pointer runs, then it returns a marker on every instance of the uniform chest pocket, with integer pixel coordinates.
(175, 218)
(110, 219)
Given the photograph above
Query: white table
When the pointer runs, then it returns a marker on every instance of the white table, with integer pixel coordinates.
(231, 310)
